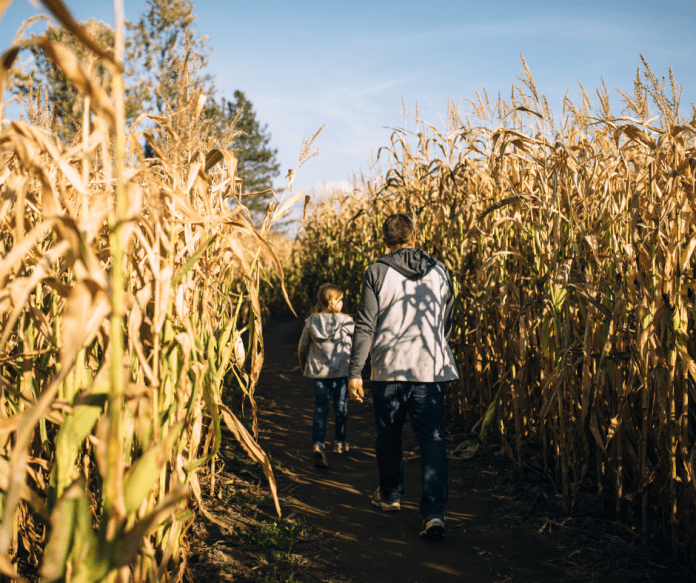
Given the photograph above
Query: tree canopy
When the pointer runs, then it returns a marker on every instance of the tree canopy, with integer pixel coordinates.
(257, 164)
(157, 45)
(163, 35)
(60, 93)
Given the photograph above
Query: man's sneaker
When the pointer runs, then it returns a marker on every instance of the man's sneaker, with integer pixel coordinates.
(384, 504)
(320, 457)
(341, 447)
(433, 529)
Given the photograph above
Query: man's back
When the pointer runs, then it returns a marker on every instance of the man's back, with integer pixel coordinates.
(404, 319)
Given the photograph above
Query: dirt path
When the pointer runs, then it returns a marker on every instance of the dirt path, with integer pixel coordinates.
(501, 527)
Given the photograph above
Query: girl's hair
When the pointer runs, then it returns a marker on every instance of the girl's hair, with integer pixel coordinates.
(328, 297)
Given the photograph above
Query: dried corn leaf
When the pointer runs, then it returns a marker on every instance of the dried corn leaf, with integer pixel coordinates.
(252, 448)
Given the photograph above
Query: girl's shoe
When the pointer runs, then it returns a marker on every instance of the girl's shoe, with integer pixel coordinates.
(341, 447)
(320, 457)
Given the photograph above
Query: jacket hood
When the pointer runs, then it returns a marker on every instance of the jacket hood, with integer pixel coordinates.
(412, 263)
(323, 327)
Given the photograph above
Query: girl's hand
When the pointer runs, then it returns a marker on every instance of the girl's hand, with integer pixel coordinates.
(355, 390)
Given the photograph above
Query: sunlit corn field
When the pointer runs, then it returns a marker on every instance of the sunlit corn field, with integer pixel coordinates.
(128, 292)
(570, 241)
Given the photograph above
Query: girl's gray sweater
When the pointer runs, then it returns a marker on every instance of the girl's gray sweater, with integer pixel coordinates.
(324, 348)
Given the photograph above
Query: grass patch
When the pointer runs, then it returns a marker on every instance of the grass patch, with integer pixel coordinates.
(292, 577)
(246, 498)
(274, 541)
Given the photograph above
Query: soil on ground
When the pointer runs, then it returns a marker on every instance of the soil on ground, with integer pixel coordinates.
(503, 525)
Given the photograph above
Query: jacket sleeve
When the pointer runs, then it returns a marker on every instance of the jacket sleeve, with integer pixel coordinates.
(449, 305)
(303, 347)
(365, 322)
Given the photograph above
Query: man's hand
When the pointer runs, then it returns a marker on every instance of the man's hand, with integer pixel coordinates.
(355, 390)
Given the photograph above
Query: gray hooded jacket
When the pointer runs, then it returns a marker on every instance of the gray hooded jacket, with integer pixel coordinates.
(324, 349)
(405, 319)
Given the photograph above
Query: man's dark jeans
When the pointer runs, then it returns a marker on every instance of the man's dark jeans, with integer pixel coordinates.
(323, 389)
(426, 405)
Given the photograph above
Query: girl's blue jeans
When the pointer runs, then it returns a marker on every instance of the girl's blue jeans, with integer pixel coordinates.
(425, 404)
(323, 389)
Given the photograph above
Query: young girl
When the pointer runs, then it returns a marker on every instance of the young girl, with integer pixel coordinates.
(324, 353)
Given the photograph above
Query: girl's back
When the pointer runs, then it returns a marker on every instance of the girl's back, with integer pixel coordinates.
(326, 341)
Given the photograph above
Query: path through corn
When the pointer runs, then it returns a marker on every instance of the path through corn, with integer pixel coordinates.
(502, 526)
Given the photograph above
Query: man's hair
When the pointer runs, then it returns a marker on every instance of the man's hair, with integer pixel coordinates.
(398, 229)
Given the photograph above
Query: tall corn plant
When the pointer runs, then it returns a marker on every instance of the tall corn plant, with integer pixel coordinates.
(122, 281)
(570, 240)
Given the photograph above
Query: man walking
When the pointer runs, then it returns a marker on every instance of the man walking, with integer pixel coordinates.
(404, 321)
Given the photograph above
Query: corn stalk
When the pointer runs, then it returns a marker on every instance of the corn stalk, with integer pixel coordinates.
(123, 282)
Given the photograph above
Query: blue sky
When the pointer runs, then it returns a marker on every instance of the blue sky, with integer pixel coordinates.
(348, 63)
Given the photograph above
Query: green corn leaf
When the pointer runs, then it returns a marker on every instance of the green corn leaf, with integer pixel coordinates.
(558, 295)
(91, 561)
(223, 347)
(144, 472)
(211, 353)
(72, 434)
(192, 261)
(63, 532)
(129, 543)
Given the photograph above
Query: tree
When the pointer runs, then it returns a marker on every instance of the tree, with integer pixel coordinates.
(156, 48)
(163, 37)
(61, 95)
(238, 129)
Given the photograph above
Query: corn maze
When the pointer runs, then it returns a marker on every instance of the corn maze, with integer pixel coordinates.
(129, 290)
(571, 250)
